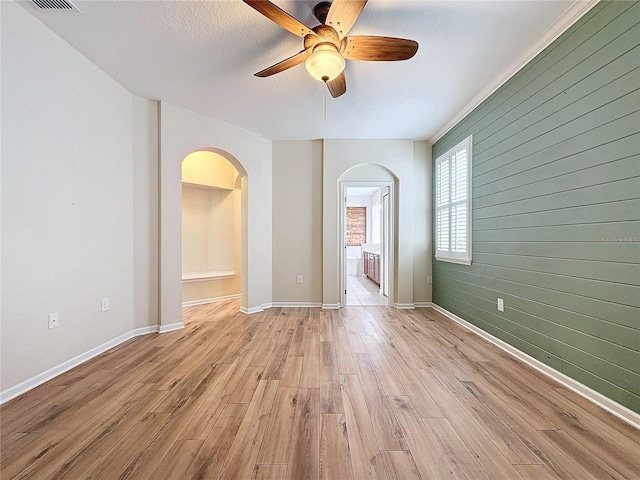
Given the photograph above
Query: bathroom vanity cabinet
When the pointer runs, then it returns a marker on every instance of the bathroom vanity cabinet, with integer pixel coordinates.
(372, 266)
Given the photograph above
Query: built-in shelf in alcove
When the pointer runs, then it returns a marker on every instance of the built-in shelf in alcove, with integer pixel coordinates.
(202, 276)
(206, 187)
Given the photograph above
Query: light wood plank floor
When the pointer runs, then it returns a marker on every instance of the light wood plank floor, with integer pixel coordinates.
(363, 392)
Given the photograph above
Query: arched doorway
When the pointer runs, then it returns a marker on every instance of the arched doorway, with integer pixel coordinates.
(211, 229)
(381, 252)
(367, 236)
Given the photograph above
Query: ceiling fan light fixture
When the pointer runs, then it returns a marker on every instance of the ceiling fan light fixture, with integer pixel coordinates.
(324, 63)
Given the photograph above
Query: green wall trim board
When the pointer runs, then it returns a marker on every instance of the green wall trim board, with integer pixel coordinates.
(609, 405)
(556, 207)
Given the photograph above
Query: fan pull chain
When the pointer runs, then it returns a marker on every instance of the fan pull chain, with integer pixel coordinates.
(325, 103)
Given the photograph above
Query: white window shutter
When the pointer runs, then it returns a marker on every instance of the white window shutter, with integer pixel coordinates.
(453, 204)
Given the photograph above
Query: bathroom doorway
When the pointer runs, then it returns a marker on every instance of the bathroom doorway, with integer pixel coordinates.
(367, 237)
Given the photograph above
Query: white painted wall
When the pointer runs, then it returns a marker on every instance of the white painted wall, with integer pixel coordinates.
(221, 220)
(207, 229)
(67, 200)
(297, 221)
(376, 204)
(208, 168)
(145, 212)
(195, 229)
(182, 132)
(306, 175)
(210, 241)
(422, 228)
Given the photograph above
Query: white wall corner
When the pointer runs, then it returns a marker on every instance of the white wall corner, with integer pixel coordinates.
(171, 327)
(423, 304)
(330, 306)
(146, 330)
(405, 306)
(597, 398)
(252, 310)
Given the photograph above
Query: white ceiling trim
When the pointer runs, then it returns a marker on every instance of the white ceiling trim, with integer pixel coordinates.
(574, 13)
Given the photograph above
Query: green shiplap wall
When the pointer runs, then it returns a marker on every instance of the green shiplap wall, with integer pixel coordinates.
(556, 207)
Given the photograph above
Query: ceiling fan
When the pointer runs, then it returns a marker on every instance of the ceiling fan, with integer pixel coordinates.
(326, 46)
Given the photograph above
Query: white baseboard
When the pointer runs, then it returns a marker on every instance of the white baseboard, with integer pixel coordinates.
(171, 327)
(297, 304)
(204, 301)
(609, 405)
(146, 330)
(252, 310)
(47, 375)
(50, 374)
(423, 304)
(330, 306)
(404, 306)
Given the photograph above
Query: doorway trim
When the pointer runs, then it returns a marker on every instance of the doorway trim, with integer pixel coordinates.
(342, 189)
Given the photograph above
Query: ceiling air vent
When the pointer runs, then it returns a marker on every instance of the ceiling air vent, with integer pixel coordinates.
(54, 4)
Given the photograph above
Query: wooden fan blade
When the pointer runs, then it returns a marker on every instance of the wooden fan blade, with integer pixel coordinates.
(279, 16)
(296, 59)
(337, 86)
(378, 49)
(343, 14)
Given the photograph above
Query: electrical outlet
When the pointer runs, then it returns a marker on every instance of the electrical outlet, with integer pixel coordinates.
(299, 279)
(429, 279)
(500, 305)
(53, 320)
(105, 304)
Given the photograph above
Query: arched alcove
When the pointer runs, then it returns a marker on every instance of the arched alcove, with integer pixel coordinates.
(211, 228)
(181, 133)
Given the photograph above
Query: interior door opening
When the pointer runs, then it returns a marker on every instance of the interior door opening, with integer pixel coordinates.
(367, 237)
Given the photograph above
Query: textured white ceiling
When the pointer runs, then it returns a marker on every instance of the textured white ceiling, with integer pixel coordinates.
(202, 55)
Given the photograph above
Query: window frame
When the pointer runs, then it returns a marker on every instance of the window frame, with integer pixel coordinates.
(448, 255)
